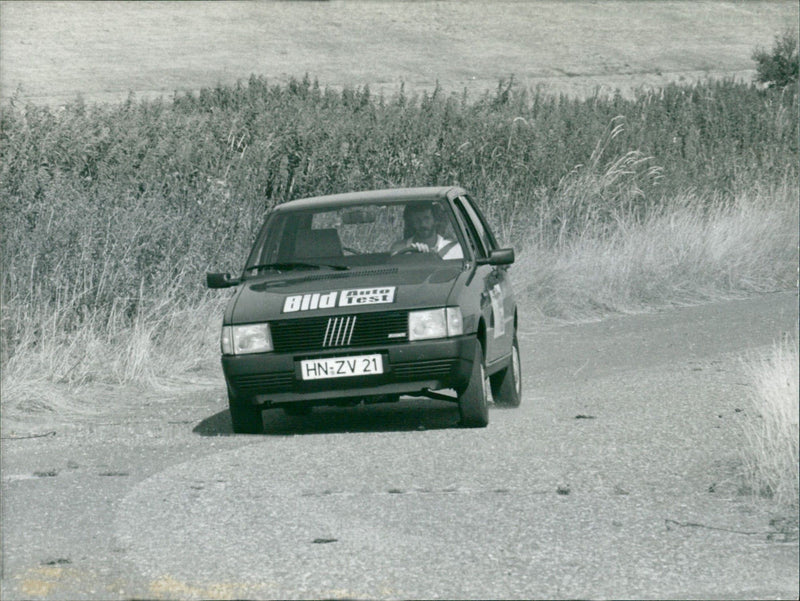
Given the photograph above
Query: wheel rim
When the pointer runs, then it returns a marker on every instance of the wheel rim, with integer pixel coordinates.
(516, 370)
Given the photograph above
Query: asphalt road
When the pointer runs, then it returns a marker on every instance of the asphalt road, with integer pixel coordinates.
(616, 478)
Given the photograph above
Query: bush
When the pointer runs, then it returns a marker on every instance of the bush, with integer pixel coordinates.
(778, 68)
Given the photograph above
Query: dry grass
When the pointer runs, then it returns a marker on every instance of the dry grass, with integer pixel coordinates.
(684, 254)
(170, 345)
(771, 453)
(597, 248)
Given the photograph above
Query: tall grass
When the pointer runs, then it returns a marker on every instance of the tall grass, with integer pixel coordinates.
(685, 250)
(111, 214)
(168, 344)
(771, 453)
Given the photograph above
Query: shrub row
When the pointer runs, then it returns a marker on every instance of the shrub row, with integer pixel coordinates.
(102, 203)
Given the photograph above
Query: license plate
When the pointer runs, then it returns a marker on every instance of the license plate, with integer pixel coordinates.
(341, 367)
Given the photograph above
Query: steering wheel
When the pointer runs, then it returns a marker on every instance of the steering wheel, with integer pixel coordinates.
(411, 250)
(406, 251)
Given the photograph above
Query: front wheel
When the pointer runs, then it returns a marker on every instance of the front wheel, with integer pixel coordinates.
(507, 383)
(245, 418)
(473, 403)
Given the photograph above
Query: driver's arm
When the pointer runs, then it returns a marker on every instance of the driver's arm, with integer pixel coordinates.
(402, 245)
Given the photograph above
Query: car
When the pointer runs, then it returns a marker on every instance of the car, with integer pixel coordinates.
(369, 296)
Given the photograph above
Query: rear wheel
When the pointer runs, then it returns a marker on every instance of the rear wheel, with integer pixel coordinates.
(245, 418)
(507, 383)
(472, 403)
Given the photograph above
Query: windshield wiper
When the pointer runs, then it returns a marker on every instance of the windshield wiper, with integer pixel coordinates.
(290, 265)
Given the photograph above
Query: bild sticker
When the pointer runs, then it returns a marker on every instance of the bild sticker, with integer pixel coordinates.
(338, 298)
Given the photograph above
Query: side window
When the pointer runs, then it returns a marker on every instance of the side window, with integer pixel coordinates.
(477, 228)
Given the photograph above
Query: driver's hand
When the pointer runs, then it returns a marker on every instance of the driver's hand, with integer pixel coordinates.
(420, 247)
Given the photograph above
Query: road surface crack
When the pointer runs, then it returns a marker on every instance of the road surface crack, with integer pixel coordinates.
(670, 523)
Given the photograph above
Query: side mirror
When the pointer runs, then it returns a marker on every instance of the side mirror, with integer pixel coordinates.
(499, 256)
(221, 280)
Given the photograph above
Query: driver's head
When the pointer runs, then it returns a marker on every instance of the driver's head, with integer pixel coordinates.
(420, 220)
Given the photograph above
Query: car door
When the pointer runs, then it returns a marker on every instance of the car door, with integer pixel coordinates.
(497, 301)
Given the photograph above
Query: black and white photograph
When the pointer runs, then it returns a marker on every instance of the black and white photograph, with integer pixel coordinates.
(399, 299)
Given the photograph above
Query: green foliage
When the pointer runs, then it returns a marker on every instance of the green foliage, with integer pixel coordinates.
(100, 206)
(778, 67)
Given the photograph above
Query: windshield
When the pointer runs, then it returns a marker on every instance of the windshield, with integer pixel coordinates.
(356, 235)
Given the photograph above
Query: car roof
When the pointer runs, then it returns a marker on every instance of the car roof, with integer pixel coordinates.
(386, 196)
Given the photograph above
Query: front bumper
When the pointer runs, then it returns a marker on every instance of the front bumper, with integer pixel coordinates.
(266, 379)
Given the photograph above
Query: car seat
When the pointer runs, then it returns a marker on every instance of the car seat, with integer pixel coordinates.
(316, 244)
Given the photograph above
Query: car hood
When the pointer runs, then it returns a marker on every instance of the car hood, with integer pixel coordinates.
(333, 293)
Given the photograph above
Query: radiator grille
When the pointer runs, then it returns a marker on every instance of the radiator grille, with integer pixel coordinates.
(339, 331)
(318, 333)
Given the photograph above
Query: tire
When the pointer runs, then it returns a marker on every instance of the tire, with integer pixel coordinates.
(473, 403)
(245, 419)
(507, 383)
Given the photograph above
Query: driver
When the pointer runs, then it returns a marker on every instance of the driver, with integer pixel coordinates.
(421, 223)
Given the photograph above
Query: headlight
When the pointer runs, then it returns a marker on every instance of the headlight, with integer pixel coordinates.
(241, 340)
(435, 323)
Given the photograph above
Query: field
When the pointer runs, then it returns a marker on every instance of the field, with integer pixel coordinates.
(54, 51)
